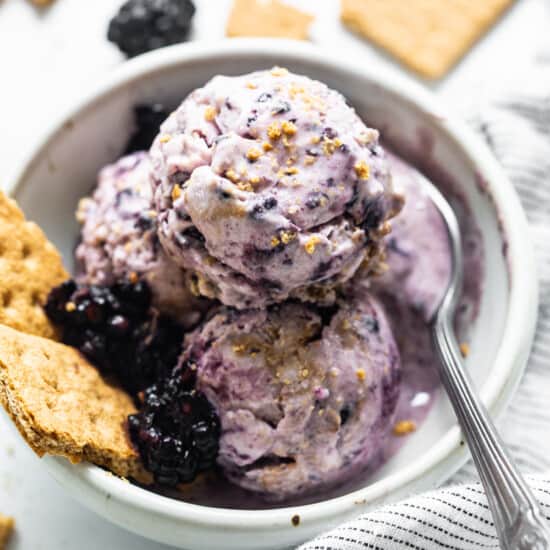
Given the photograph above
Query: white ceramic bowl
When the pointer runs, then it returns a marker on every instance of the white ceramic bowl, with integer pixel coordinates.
(63, 166)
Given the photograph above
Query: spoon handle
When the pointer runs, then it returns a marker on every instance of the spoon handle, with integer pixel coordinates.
(519, 519)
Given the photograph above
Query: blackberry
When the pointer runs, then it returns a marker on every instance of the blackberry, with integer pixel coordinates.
(117, 330)
(148, 119)
(177, 430)
(144, 25)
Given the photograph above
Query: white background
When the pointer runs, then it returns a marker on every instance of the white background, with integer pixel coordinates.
(48, 58)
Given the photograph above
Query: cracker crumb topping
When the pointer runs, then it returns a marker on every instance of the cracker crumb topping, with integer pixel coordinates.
(279, 71)
(253, 154)
(274, 131)
(210, 113)
(404, 427)
(311, 243)
(176, 192)
(289, 128)
(362, 170)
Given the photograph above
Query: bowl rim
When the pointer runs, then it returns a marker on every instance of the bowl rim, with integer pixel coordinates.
(523, 299)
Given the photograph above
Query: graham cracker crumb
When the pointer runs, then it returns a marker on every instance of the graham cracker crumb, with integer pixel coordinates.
(176, 192)
(274, 131)
(430, 38)
(362, 170)
(269, 18)
(253, 154)
(404, 427)
(464, 349)
(311, 243)
(210, 113)
(289, 128)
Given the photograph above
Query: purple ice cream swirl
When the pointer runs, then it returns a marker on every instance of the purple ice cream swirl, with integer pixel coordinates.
(119, 239)
(306, 395)
(270, 186)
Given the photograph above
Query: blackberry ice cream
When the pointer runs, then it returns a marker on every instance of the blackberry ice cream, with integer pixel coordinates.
(119, 240)
(269, 186)
(418, 252)
(305, 395)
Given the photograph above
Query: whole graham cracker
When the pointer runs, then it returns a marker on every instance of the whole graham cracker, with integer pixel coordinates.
(268, 18)
(30, 267)
(62, 406)
(429, 36)
(7, 525)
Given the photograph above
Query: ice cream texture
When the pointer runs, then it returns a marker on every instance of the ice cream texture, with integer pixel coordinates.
(119, 239)
(269, 186)
(305, 395)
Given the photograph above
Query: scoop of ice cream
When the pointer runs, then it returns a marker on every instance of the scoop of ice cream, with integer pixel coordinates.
(119, 239)
(305, 395)
(269, 185)
(417, 250)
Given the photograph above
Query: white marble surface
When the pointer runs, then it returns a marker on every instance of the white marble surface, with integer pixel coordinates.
(47, 59)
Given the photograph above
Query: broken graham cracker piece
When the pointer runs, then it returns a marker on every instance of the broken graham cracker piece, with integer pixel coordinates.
(62, 406)
(429, 36)
(268, 18)
(30, 267)
(6, 528)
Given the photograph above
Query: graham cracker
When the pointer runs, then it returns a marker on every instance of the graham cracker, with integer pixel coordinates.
(268, 18)
(7, 525)
(30, 267)
(429, 36)
(62, 406)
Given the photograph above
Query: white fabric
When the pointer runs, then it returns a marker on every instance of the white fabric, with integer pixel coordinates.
(517, 128)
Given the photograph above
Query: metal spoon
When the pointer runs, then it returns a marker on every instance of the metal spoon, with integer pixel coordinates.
(519, 519)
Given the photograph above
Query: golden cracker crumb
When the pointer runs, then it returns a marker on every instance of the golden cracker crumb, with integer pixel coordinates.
(275, 241)
(210, 113)
(287, 236)
(279, 71)
(251, 86)
(404, 427)
(361, 374)
(239, 348)
(253, 154)
(311, 243)
(291, 171)
(293, 209)
(176, 192)
(245, 186)
(70, 307)
(232, 175)
(362, 170)
(274, 131)
(464, 349)
(165, 138)
(289, 128)
(266, 146)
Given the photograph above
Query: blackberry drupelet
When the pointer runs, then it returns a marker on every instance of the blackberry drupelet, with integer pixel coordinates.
(144, 25)
(148, 119)
(117, 330)
(177, 430)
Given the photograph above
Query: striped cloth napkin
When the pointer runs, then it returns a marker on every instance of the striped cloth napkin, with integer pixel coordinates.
(517, 128)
